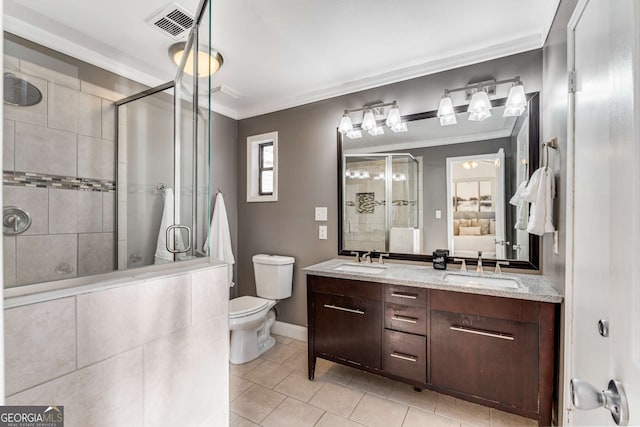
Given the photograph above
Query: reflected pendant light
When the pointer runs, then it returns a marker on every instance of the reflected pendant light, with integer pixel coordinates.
(393, 118)
(479, 107)
(516, 101)
(369, 120)
(446, 113)
(345, 123)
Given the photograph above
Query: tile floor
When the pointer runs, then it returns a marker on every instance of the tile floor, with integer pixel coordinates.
(273, 390)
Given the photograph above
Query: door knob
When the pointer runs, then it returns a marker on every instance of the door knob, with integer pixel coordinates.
(587, 396)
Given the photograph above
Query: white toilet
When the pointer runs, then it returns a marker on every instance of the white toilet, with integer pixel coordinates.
(251, 318)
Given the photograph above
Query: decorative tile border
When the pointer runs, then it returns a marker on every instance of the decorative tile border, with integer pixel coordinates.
(30, 179)
(383, 202)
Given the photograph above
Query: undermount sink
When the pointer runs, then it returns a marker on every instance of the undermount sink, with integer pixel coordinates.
(361, 268)
(482, 281)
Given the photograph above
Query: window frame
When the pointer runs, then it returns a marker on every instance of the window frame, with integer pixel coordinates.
(254, 163)
(262, 168)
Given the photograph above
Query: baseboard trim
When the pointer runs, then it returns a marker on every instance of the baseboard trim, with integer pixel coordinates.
(289, 330)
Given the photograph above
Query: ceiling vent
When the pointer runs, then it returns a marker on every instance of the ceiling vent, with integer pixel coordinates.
(172, 20)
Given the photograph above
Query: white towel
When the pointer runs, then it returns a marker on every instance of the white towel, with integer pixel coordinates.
(522, 207)
(540, 193)
(220, 237)
(163, 256)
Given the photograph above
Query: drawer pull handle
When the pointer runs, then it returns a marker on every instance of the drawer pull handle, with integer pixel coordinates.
(349, 310)
(407, 296)
(405, 319)
(406, 357)
(483, 333)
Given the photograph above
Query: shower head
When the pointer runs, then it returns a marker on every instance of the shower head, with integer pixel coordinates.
(20, 92)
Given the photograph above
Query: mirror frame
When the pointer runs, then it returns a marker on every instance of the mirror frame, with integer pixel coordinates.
(533, 101)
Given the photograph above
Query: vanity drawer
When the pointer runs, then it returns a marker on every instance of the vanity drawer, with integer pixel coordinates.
(405, 355)
(406, 318)
(483, 305)
(405, 295)
(345, 287)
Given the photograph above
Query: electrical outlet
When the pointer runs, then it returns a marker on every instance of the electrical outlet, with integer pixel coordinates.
(322, 232)
(321, 214)
(438, 214)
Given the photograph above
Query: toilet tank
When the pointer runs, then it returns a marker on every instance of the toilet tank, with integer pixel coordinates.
(274, 275)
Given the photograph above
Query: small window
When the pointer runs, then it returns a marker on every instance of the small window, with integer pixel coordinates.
(265, 169)
(262, 167)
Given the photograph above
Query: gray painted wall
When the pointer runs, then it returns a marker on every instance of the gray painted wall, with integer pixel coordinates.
(308, 169)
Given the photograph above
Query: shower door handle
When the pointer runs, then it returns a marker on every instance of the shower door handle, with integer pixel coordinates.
(168, 239)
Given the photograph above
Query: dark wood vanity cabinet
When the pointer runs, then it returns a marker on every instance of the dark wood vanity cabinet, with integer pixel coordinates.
(499, 352)
(347, 320)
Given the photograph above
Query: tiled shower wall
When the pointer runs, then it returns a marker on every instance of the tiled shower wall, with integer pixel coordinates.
(69, 134)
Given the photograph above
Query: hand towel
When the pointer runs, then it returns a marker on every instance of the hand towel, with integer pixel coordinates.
(220, 237)
(540, 193)
(522, 207)
(163, 256)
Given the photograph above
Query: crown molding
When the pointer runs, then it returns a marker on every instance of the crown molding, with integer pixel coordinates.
(511, 47)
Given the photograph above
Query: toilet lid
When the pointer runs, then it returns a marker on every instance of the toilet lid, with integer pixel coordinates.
(246, 306)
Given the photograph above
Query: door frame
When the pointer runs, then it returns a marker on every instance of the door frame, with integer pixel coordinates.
(564, 404)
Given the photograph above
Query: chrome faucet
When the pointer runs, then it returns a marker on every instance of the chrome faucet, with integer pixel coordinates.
(463, 266)
(498, 264)
(367, 257)
(380, 260)
(357, 254)
(479, 267)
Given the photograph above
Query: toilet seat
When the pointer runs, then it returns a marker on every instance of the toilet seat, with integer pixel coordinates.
(246, 306)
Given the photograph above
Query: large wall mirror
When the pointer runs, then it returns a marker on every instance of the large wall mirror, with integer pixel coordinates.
(441, 187)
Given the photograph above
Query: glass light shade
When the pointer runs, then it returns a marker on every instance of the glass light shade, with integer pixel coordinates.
(446, 114)
(516, 102)
(479, 116)
(345, 123)
(479, 107)
(400, 127)
(393, 118)
(354, 134)
(378, 130)
(208, 62)
(448, 120)
(368, 121)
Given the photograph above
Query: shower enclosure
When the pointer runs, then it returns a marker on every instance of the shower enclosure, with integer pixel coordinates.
(97, 181)
(163, 165)
(381, 193)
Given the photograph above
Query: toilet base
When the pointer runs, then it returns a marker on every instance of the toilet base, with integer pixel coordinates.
(248, 344)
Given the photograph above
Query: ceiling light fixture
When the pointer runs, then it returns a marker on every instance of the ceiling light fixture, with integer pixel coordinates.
(479, 108)
(208, 62)
(369, 122)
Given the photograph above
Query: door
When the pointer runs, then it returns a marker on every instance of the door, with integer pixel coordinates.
(603, 273)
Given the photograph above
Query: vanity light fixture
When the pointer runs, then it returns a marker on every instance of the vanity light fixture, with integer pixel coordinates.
(470, 164)
(369, 122)
(480, 106)
(208, 62)
(446, 113)
(516, 101)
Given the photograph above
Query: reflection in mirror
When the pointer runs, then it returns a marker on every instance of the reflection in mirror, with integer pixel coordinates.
(441, 187)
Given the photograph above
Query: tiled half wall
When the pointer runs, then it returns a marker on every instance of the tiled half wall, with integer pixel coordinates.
(149, 353)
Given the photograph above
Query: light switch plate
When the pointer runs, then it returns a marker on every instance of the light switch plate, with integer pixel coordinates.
(322, 232)
(321, 214)
(438, 214)
(556, 249)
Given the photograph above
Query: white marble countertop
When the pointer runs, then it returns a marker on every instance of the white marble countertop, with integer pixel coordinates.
(531, 287)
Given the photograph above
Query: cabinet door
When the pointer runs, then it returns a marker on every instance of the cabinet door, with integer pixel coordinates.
(491, 358)
(349, 328)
